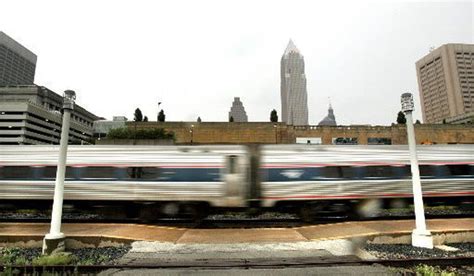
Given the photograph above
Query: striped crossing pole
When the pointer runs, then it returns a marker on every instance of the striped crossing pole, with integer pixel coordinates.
(53, 242)
(420, 236)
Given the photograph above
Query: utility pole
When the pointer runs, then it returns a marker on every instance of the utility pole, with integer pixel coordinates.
(420, 236)
(53, 242)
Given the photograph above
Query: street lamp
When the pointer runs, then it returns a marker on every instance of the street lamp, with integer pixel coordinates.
(420, 236)
(54, 240)
(157, 116)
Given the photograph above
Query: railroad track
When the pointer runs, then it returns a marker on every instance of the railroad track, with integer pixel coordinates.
(244, 223)
(212, 223)
(327, 261)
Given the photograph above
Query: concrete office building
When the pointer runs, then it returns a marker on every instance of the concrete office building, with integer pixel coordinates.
(31, 114)
(102, 127)
(237, 111)
(446, 83)
(294, 102)
(17, 64)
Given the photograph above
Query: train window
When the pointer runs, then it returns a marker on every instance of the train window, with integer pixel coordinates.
(440, 171)
(97, 172)
(48, 172)
(377, 171)
(73, 172)
(428, 170)
(350, 172)
(341, 172)
(232, 164)
(401, 171)
(149, 173)
(143, 172)
(460, 169)
(134, 172)
(331, 172)
(16, 172)
(38, 173)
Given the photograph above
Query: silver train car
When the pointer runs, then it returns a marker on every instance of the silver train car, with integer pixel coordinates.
(355, 172)
(174, 180)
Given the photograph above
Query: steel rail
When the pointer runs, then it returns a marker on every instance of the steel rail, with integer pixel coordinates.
(328, 261)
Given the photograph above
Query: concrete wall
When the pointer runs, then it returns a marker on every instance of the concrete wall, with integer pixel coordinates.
(271, 133)
(218, 133)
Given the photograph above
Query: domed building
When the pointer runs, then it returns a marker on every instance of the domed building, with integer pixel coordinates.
(330, 119)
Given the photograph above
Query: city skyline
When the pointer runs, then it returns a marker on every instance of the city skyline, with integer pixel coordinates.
(363, 60)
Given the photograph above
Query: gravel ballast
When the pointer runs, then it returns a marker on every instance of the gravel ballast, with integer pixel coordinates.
(405, 251)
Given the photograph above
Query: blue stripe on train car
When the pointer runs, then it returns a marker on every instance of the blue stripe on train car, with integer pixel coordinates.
(142, 174)
(354, 173)
(311, 174)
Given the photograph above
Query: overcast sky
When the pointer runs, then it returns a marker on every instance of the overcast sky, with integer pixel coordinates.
(196, 56)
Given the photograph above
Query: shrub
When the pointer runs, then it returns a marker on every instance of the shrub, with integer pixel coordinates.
(127, 133)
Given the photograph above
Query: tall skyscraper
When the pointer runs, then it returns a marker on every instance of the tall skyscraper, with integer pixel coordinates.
(446, 82)
(17, 64)
(294, 102)
(237, 111)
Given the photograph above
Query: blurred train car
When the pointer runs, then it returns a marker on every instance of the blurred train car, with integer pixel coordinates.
(153, 181)
(317, 179)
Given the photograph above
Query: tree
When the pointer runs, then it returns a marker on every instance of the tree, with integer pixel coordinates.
(145, 119)
(199, 119)
(161, 116)
(401, 118)
(417, 122)
(138, 116)
(231, 119)
(273, 116)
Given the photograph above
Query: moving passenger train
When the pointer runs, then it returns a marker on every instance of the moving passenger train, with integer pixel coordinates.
(152, 181)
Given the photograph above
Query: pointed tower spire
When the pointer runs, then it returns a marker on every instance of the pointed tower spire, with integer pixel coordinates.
(291, 48)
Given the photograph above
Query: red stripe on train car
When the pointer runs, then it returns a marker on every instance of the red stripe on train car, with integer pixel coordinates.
(362, 196)
(210, 166)
(284, 166)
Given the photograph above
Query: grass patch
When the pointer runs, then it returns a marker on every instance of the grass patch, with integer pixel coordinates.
(440, 208)
(27, 211)
(427, 270)
(83, 256)
(55, 259)
(12, 256)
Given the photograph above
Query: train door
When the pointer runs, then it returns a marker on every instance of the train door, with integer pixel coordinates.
(235, 181)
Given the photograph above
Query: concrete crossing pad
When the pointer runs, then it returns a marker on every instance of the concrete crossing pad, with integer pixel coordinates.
(138, 232)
